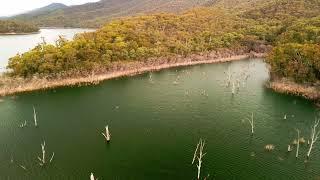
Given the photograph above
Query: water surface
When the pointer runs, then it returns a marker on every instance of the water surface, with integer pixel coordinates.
(155, 126)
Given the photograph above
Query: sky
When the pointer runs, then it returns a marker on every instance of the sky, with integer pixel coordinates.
(12, 7)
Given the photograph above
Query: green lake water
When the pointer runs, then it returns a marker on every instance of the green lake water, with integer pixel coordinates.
(155, 126)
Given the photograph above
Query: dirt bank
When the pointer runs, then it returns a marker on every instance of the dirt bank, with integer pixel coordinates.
(308, 91)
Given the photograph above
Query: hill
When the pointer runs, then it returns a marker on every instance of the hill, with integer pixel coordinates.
(98, 13)
(33, 15)
(46, 9)
(285, 10)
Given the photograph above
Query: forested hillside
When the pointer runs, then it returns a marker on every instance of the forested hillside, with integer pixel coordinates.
(98, 13)
(7, 27)
(237, 6)
(284, 10)
(134, 39)
(291, 27)
(296, 52)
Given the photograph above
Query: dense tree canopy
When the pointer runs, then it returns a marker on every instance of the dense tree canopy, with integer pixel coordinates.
(297, 52)
(298, 61)
(16, 27)
(135, 38)
(291, 27)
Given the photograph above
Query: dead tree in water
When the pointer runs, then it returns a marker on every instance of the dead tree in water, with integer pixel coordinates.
(150, 78)
(199, 155)
(195, 153)
(233, 90)
(42, 159)
(52, 156)
(23, 167)
(107, 134)
(314, 136)
(35, 117)
(251, 121)
(24, 124)
(298, 143)
(92, 176)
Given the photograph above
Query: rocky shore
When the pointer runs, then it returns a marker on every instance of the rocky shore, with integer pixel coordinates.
(308, 91)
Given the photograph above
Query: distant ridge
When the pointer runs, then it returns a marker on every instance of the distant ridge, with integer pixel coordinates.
(98, 13)
(40, 11)
(48, 8)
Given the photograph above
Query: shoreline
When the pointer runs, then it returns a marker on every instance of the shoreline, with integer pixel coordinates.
(285, 86)
(27, 33)
(58, 27)
(11, 86)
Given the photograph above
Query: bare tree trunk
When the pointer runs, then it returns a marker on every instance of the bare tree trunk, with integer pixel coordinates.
(92, 176)
(298, 143)
(252, 124)
(314, 136)
(35, 117)
(43, 157)
(199, 155)
(202, 144)
(107, 134)
(52, 156)
(195, 153)
(233, 89)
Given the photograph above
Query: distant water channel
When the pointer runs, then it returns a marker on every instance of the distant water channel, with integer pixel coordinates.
(156, 121)
(10, 45)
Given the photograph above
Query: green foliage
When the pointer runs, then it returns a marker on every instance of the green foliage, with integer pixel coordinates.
(298, 61)
(16, 27)
(297, 51)
(303, 31)
(284, 10)
(98, 13)
(133, 39)
(292, 27)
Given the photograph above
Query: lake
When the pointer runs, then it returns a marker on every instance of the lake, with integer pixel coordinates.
(156, 120)
(10, 45)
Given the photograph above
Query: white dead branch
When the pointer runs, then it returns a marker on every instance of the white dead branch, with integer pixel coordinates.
(42, 158)
(251, 121)
(314, 136)
(35, 117)
(199, 155)
(298, 143)
(107, 134)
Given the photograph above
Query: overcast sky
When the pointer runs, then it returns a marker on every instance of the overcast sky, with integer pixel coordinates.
(11, 7)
